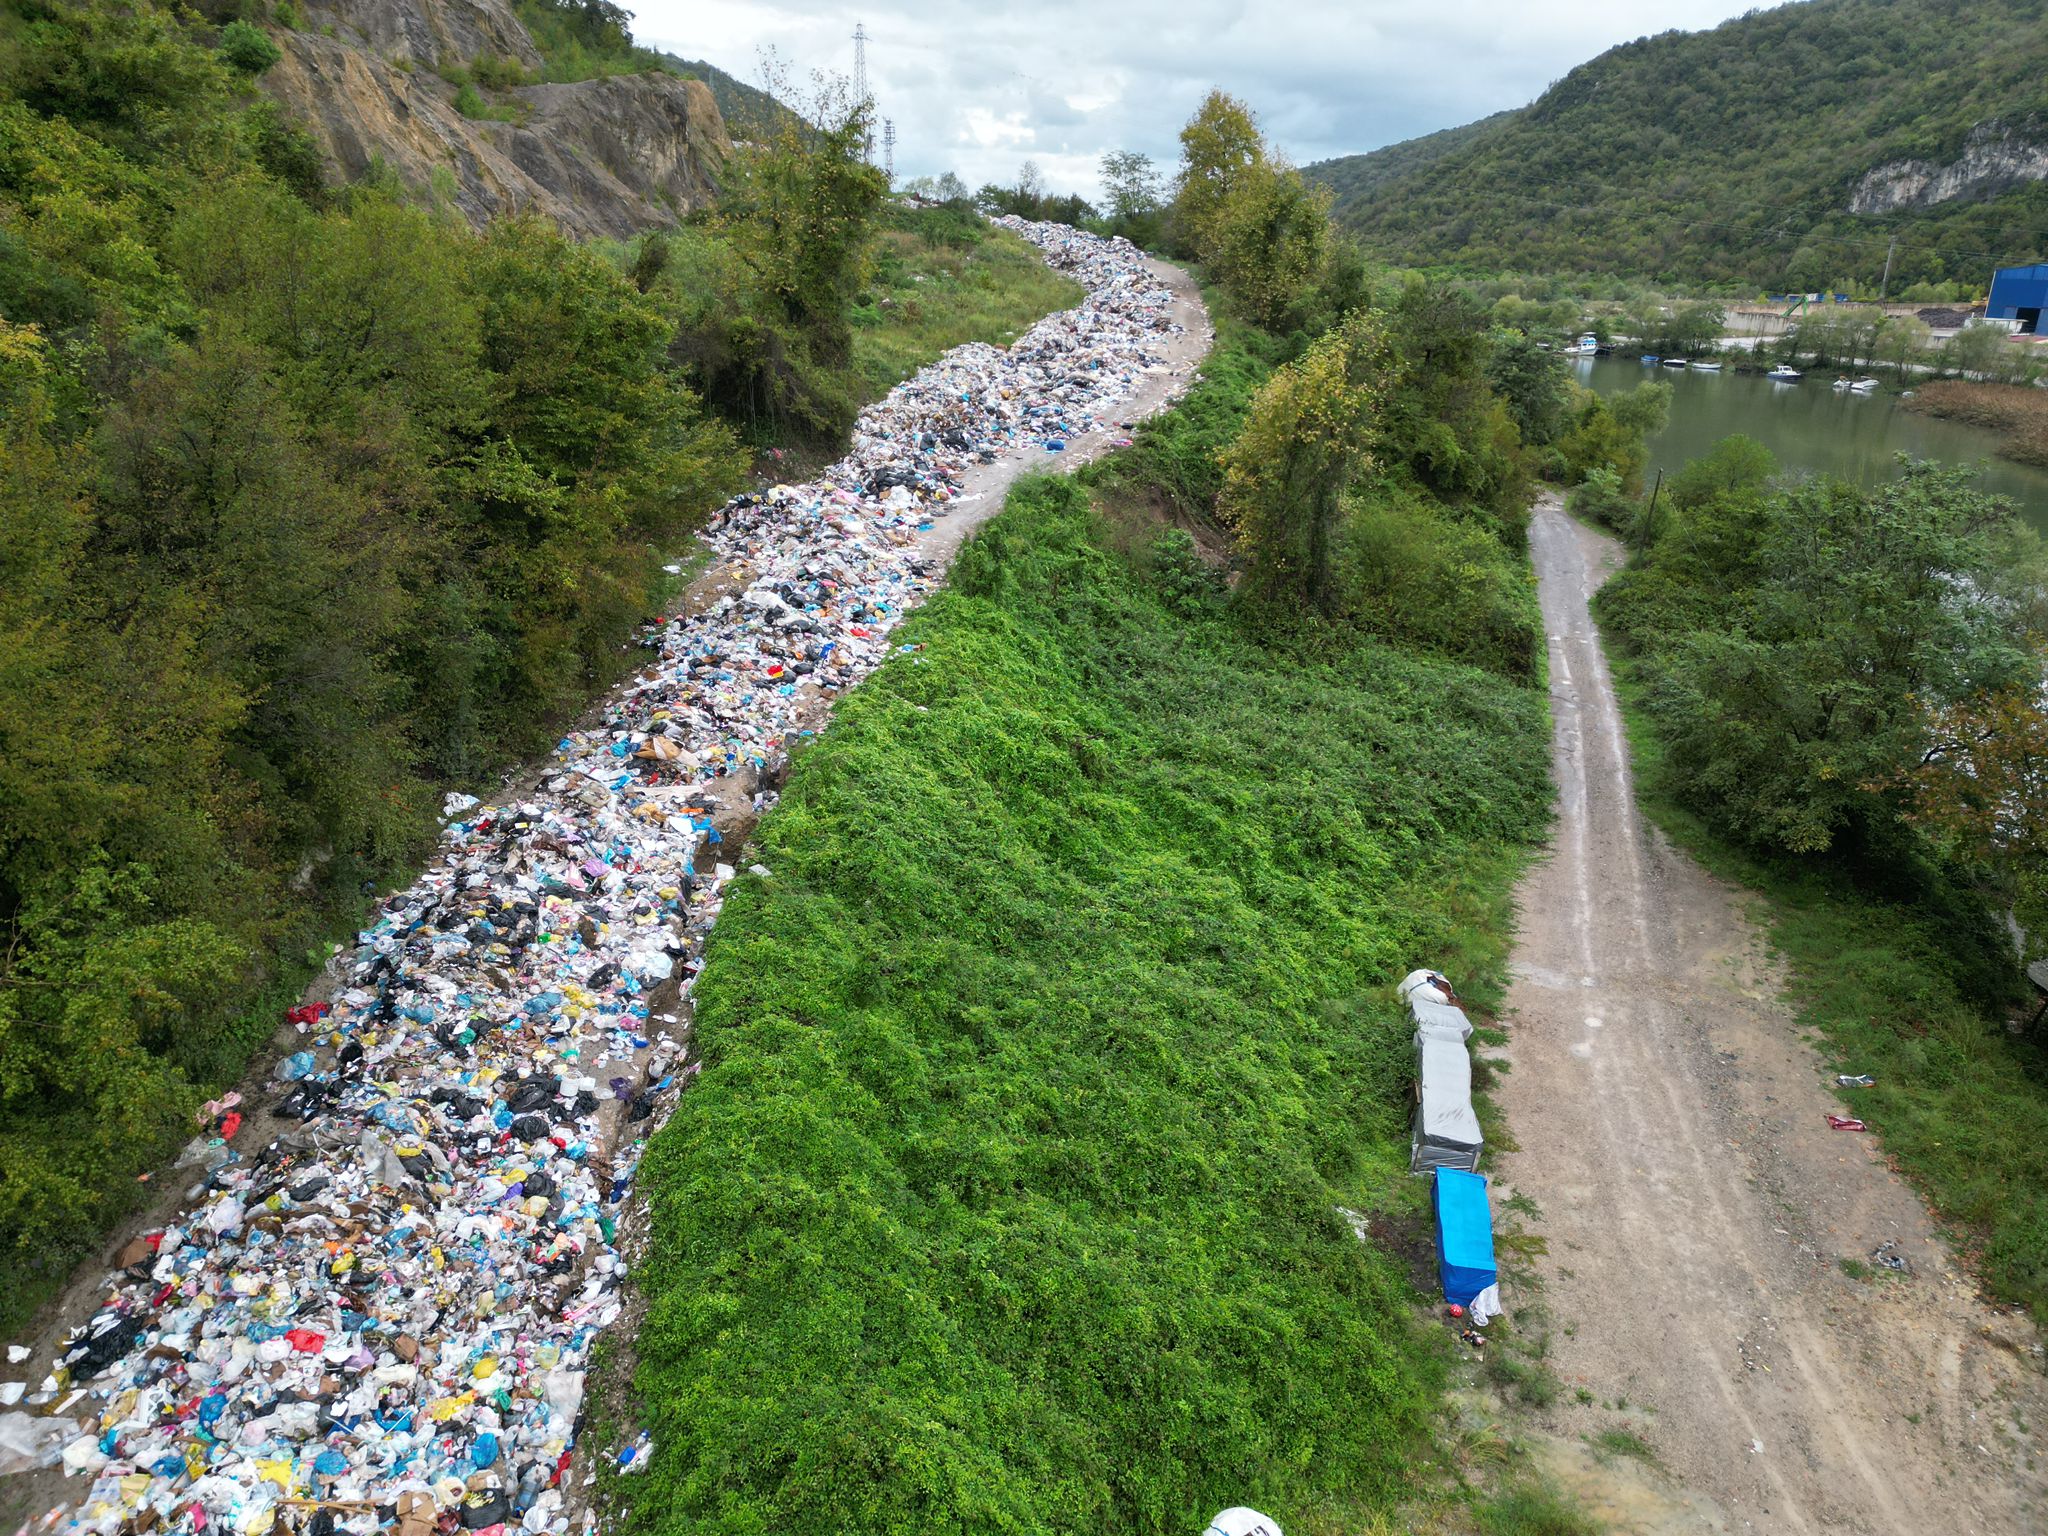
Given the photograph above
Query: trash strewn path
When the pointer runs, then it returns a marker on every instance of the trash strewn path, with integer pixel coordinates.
(379, 1302)
(1673, 1129)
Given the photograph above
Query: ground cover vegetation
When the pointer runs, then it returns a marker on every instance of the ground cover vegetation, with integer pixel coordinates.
(1837, 697)
(312, 505)
(1731, 156)
(1038, 1063)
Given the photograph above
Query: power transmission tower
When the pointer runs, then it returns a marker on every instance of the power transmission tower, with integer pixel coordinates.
(860, 84)
(889, 149)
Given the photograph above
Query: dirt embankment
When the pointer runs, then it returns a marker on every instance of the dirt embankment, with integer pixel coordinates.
(1699, 1209)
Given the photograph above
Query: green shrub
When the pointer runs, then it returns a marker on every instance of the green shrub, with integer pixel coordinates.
(1412, 572)
(1600, 500)
(248, 48)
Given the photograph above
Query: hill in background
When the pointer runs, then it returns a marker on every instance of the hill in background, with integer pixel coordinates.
(1783, 150)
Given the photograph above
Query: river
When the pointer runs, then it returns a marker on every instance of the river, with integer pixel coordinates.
(1814, 429)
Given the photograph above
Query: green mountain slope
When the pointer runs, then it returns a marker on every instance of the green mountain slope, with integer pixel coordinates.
(1737, 155)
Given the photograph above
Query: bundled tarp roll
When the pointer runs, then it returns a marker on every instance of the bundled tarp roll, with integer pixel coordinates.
(1446, 1130)
(1464, 1236)
(1446, 1021)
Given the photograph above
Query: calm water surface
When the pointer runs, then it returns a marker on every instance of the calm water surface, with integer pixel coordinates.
(1812, 429)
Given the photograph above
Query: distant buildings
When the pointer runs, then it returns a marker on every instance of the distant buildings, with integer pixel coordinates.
(2019, 294)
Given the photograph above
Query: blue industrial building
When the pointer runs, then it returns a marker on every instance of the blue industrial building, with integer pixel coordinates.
(2019, 293)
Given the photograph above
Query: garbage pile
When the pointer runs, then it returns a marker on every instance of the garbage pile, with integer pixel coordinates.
(378, 1305)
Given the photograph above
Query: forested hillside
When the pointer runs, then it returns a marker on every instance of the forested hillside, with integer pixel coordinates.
(1738, 156)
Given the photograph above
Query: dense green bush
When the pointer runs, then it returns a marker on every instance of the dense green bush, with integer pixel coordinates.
(1414, 573)
(1007, 1199)
(247, 48)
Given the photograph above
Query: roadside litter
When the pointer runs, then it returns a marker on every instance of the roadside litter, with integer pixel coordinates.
(377, 1306)
(1865, 1080)
(1846, 1123)
(1887, 1255)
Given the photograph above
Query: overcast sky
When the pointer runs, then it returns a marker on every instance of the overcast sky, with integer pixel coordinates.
(978, 86)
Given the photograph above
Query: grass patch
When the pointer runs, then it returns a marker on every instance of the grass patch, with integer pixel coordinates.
(1038, 1067)
(942, 279)
(1622, 1442)
(1531, 1511)
(1960, 1103)
(1856, 1269)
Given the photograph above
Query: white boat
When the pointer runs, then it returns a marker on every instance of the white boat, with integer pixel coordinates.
(1707, 367)
(1784, 373)
(1674, 362)
(1862, 386)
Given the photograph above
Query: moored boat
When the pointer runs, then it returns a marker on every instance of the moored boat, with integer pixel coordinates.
(1785, 373)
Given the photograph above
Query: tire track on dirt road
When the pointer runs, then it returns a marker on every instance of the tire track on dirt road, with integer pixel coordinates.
(1671, 1127)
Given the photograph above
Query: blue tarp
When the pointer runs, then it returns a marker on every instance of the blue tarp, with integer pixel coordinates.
(1464, 1235)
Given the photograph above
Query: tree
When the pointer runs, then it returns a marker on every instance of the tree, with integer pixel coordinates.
(1901, 342)
(1219, 145)
(1272, 239)
(1131, 183)
(1533, 382)
(1306, 438)
(799, 205)
(1980, 789)
(1870, 609)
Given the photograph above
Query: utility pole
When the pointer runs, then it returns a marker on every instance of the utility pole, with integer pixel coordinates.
(1884, 287)
(889, 149)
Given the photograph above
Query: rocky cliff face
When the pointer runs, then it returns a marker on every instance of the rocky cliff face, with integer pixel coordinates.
(604, 157)
(1994, 159)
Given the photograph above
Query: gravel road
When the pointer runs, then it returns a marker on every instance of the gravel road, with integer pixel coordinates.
(1671, 1127)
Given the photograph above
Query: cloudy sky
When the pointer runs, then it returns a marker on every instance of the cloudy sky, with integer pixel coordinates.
(978, 86)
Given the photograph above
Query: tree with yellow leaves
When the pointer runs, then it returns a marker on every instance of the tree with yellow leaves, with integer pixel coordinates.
(1306, 439)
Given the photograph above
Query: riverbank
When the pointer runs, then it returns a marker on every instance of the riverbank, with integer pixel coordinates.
(2018, 413)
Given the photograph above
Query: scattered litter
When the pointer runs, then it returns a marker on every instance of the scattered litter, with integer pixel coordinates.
(1846, 1123)
(381, 1303)
(1863, 1081)
(1887, 1255)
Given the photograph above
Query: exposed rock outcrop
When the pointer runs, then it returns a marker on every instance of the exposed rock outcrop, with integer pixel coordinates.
(1995, 158)
(602, 157)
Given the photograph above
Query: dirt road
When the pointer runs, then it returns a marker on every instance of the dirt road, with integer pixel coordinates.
(1696, 1204)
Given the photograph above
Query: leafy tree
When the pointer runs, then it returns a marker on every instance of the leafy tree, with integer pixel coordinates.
(1131, 184)
(1980, 788)
(1306, 439)
(1272, 239)
(798, 208)
(1533, 381)
(1219, 146)
(1609, 433)
(1868, 609)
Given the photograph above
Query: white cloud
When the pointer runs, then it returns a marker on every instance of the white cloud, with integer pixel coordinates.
(977, 89)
